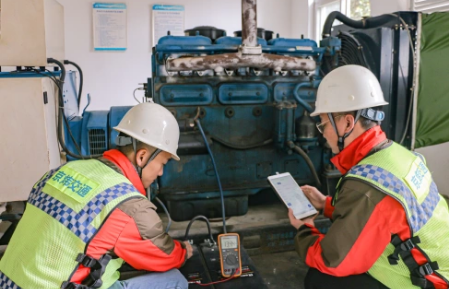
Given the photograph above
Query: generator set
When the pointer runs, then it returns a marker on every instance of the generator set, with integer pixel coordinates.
(252, 94)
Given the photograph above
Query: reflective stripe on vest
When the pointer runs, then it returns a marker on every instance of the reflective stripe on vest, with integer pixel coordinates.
(65, 210)
(420, 213)
(6, 283)
(78, 222)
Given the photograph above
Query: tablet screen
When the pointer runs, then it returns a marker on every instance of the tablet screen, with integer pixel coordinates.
(292, 195)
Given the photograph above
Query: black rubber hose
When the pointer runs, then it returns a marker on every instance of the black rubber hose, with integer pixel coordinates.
(61, 117)
(81, 78)
(166, 212)
(302, 153)
(61, 66)
(202, 218)
(58, 85)
(371, 22)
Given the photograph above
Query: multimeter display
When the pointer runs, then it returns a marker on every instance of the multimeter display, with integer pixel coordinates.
(229, 242)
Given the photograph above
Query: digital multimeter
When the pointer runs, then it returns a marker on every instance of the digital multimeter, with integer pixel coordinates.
(230, 262)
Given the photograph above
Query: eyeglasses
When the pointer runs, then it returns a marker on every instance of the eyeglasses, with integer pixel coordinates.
(322, 125)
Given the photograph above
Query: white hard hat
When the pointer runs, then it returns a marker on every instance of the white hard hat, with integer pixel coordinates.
(348, 88)
(152, 124)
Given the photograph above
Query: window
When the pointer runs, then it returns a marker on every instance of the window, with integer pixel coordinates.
(355, 9)
(322, 12)
(358, 9)
(429, 6)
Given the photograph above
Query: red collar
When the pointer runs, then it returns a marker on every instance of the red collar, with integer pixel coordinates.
(121, 161)
(358, 149)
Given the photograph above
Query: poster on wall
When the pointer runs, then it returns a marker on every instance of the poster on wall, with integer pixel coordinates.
(167, 18)
(110, 26)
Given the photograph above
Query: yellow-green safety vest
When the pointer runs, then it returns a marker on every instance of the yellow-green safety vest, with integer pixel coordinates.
(404, 176)
(65, 210)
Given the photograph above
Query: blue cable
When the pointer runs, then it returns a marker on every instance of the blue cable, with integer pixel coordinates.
(216, 173)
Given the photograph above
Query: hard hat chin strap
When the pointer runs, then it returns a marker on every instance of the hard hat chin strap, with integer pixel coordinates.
(126, 140)
(152, 157)
(341, 139)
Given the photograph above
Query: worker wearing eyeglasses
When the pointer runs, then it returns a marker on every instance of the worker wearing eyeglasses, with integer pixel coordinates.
(390, 225)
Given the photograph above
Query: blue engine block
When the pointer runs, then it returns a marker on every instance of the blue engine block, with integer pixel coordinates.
(248, 116)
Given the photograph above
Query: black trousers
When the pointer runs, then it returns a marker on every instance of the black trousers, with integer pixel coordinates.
(317, 280)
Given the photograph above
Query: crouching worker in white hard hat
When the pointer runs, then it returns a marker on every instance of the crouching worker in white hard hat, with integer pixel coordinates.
(389, 225)
(84, 219)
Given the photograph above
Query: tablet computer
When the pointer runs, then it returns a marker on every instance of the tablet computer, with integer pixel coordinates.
(292, 195)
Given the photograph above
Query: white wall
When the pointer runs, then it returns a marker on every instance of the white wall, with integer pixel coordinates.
(437, 158)
(299, 19)
(111, 77)
(379, 7)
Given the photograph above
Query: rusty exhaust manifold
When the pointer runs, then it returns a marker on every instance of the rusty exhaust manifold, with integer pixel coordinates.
(249, 54)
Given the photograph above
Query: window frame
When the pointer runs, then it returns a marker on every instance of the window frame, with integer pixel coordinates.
(429, 6)
(316, 5)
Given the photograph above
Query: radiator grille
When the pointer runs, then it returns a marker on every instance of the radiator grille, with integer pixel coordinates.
(97, 141)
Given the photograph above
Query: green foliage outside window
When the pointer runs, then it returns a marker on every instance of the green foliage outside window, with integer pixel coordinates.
(359, 9)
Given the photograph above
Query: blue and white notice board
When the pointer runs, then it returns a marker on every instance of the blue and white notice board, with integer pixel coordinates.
(110, 26)
(167, 18)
